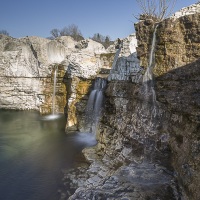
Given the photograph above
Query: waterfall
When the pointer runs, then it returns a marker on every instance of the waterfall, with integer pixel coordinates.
(94, 105)
(54, 91)
(53, 114)
(92, 114)
(148, 76)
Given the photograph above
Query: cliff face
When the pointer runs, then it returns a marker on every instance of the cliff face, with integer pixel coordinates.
(27, 68)
(177, 42)
(177, 83)
(132, 157)
(148, 145)
(177, 46)
(83, 66)
(178, 92)
(93, 61)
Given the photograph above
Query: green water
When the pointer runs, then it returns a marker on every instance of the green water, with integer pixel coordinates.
(33, 154)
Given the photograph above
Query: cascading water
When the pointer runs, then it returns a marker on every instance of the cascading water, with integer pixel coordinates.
(148, 81)
(53, 115)
(94, 105)
(54, 91)
(92, 113)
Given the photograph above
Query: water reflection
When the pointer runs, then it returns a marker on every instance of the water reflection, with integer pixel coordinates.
(32, 154)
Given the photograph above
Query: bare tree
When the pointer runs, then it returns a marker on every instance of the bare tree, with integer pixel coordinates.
(4, 32)
(156, 9)
(71, 30)
(64, 31)
(98, 38)
(55, 32)
(104, 40)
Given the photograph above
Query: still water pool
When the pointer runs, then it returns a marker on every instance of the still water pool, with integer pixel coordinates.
(33, 153)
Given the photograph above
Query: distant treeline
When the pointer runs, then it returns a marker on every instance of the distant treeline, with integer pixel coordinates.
(73, 31)
(4, 32)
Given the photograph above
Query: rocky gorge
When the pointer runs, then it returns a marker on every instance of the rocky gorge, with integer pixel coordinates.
(148, 135)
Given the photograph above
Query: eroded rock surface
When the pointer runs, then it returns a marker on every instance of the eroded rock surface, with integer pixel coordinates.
(177, 89)
(26, 70)
(148, 148)
(27, 67)
(132, 157)
(94, 61)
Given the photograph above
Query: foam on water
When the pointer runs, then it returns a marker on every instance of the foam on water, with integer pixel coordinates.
(51, 117)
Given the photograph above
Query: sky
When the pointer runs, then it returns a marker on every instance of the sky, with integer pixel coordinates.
(114, 18)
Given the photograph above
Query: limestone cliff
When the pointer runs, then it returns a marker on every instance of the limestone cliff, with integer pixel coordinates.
(177, 72)
(177, 42)
(27, 67)
(148, 146)
(132, 157)
(83, 66)
(96, 63)
(26, 70)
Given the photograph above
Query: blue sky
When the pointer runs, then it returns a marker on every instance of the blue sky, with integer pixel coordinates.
(37, 17)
